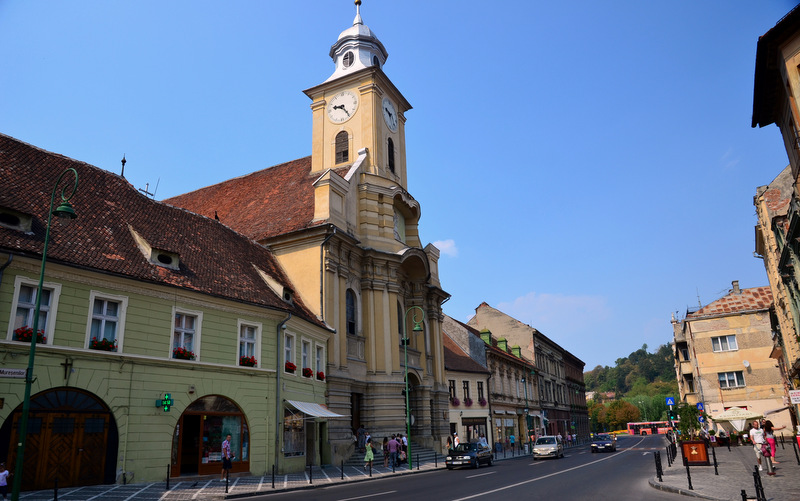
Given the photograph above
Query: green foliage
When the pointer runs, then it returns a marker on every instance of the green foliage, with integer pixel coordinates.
(640, 373)
(689, 426)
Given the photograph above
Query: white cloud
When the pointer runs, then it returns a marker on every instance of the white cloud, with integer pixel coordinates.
(447, 247)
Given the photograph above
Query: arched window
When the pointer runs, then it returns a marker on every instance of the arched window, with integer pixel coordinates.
(342, 147)
(352, 311)
(390, 149)
(400, 321)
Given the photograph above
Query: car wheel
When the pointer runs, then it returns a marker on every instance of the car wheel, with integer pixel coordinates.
(594, 451)
(477, 463)
(490, 461)
(449, 467)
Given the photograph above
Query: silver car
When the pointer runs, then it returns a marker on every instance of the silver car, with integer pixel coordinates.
(548, 446)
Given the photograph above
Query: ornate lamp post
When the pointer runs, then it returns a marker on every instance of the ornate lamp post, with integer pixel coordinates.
(417, 328)
(64, 210)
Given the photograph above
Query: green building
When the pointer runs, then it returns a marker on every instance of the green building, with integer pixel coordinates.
(144, 304)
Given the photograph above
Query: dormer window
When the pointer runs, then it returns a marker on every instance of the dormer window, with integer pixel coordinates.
(159, 257)
(15, 220)
(348, 59)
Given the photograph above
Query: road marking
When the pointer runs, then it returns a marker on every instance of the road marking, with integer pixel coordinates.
(537, 479)
(368, 496)
(482, 474)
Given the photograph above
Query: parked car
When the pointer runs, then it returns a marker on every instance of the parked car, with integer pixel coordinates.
(548, 446)
(471, 454)
(604, 442)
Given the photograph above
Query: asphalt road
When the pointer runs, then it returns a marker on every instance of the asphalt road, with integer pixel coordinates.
(580, 475)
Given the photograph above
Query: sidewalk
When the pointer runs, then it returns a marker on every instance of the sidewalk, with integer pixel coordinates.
(207, 489)
(735, 473)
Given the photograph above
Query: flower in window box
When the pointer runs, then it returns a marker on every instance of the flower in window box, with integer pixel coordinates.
(456, 402)
(183, 354)
(25, 334)
(482, 401)
(468, 402)
(307, 372)
(103, 345)
(289, 367)
(248, 361)
(321, 376)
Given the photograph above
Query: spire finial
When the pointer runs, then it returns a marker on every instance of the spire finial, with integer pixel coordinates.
(358, 20)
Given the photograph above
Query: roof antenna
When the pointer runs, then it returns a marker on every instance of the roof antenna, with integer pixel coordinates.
(698, 298)
(123, 165)
(146, 189)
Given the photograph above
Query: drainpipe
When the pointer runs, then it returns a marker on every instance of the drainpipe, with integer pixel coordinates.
(322, 273)
(278, 401)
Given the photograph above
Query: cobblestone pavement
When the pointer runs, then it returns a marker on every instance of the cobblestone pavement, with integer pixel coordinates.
(735, 473)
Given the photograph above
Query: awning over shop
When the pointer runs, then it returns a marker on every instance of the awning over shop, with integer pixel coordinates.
(315, 410)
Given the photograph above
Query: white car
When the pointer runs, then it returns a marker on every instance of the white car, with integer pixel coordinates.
(548, 446)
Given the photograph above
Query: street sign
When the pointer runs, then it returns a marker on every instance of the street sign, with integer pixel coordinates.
(15, 373)
(700, 406)
(670, 400)
(700, 418)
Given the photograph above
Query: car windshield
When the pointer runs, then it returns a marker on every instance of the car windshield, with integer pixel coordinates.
(545, 440)
(466, 447)
(603, 437)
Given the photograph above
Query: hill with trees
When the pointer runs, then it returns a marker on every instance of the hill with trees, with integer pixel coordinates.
(635, 389)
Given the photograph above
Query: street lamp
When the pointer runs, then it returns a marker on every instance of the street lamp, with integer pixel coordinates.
(417, 328)
(64, 210)
(527, 416)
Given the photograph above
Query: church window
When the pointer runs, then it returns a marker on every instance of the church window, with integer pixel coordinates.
(400, 321)
(348, 58)
(390, 150)
(342, 147)
(350, 299)
(399, 226)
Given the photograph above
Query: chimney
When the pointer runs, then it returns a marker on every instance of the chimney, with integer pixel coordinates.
(736, 289)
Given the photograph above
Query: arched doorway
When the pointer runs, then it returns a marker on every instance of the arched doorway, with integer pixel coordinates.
(198, 436)
(72, 437)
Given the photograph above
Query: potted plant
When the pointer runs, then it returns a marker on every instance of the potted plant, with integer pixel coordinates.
(183, 354)
(103, 345)
(321, 376)
(289, 367)
(468, 402)
(456, 402)
(482, 402)
(25, 334)
(248, 361)
(307, 372)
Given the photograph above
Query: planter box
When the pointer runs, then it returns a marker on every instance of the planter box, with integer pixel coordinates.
(695, 453)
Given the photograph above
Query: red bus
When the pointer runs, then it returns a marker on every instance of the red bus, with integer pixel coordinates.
(648, 428)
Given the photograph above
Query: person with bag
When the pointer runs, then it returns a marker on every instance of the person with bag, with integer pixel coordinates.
(761, 447)
(769, 435)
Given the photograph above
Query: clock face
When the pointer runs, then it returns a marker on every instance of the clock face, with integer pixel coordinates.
(342, 106)
(389, 114)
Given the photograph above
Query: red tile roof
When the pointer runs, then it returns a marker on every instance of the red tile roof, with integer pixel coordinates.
(214, 259)
(455, 359)
(266, 203)
(754, 299)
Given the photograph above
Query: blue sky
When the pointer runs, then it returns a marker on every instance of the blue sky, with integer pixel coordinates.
(587, 167)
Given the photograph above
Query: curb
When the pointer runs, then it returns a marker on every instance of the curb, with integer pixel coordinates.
(677, 490)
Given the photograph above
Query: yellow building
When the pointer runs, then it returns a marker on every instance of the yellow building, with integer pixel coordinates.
(468, 382)
(343, 225)
(775, 95)
(722, 355)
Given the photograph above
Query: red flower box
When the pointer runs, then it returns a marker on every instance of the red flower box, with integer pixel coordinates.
(321, 376)
(248, 361)
(103, 344)
(289, 367)
(307, 372)
(25, 334)
(183, 354)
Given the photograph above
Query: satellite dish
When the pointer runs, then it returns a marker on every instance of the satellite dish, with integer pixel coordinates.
(746, 363)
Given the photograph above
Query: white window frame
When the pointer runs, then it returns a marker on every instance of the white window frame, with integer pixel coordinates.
(50, 323)
(289, 351)
(727, 380)
(197, 329)
(256, 344)
(319, 358)
(717, 342)
(305, 354)
(123, 307)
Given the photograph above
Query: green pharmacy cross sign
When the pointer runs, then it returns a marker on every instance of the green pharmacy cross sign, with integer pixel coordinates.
(165, 403)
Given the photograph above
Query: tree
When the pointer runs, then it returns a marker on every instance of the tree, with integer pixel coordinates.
(620, 413)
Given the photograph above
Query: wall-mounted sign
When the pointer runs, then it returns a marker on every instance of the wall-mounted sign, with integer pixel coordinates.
(794, 395)
(15, 373)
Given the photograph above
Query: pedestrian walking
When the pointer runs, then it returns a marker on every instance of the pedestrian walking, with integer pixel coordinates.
(370, 455)
(385, 449)
(449, 444)
(394, 447)
(361, 437)
(456, 441)
(226, 457)
(761, 447)
(511, 440)
(769, 435)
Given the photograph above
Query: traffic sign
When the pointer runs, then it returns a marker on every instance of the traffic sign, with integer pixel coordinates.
(700, 406)
(700, 418)
(670, 400)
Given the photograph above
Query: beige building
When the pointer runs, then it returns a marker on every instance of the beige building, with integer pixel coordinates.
(722, 355)
(559, 374)
(468, 383)
(777, 88)
(344, 226)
